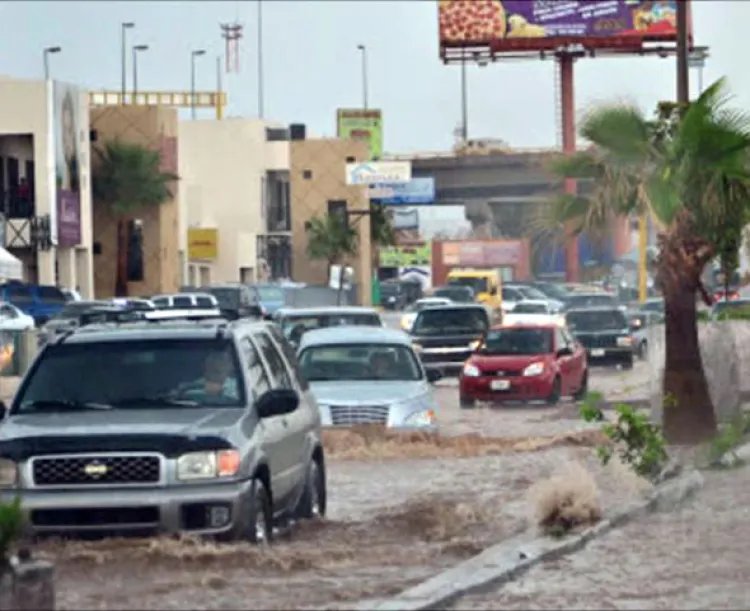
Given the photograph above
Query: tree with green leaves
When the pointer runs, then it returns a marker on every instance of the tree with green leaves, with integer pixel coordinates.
(332, 239)
(688, 170)
(127, 177)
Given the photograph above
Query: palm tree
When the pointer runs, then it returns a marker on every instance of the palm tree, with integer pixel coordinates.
(126, 177)
(332, 239)
(688, 169)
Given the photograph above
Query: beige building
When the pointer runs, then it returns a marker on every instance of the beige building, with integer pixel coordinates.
(234, 192)
(153, 127)
(318, 187)
(45, 181)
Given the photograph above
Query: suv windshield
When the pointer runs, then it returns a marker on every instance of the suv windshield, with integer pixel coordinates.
(451, 321)
(303, 323)
(228, 298)
(349, 362)
(530, 308)
(270, 293)
(141, 374)
(390, 290)
(517, 341)
(596, 320)
(586, 301)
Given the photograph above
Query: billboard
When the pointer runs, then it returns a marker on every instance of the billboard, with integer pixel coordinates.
(416, 192)
(362, 125)
(406, 256)
(378, 172)
(67, 134)
(538, 25)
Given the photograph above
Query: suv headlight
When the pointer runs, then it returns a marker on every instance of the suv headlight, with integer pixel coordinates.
(534, 369)
(625, 341)
(208, 465)
(421, 418)
(8, 473)
(471, 371)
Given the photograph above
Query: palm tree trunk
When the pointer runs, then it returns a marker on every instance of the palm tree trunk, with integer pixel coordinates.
(123, 239)
(688, 411)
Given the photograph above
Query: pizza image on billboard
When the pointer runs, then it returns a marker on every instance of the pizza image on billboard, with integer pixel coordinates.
(531, 25)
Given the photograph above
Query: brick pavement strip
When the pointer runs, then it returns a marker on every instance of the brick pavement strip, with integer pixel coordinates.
(693, 558)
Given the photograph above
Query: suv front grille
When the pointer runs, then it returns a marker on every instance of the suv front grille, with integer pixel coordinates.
(598, 341)
(349, 415)
(96, 470)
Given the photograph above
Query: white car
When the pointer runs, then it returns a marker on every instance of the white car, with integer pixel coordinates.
(12, 319)
(407, 320)
(532, 312)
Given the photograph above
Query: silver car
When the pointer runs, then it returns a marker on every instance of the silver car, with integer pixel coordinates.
(368, 375)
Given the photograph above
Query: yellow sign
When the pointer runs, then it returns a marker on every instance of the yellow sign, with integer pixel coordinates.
(363, 126)
(203, 244)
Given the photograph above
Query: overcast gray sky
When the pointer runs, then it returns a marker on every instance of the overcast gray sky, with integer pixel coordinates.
(312, 65)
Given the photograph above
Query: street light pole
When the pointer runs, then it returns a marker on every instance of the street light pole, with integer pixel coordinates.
(193, 55)
(683, 82)
(136, 49)
(363, 49)
(47, 52)
(261, 92)
(464, 101)
(124, 27)
(697, 59)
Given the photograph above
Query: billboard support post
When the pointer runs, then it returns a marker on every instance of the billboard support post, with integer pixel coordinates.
(566, 60)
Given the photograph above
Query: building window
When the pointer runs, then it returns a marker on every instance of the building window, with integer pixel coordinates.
(338, 206)
(307, 174)
(277, 217)
(350, 159)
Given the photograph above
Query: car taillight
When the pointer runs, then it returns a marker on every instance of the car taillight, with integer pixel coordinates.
(734, 296)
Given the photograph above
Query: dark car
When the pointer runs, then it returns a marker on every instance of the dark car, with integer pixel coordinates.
(456, 293)
(199, 428)
(393, 295)
(445, 336)
(295, 322)
(605, 333)
(640, 321)
(236, 301)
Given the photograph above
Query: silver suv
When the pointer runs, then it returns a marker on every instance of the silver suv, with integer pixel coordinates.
(196, 427)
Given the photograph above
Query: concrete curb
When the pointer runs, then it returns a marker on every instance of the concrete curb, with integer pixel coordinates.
(735, 456)
(508, 560)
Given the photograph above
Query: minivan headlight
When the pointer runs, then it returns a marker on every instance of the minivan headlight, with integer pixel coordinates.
(534, 369)
(8, 473)
(423, 418)
(208, 465)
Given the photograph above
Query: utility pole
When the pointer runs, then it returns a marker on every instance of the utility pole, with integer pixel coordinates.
(124, 27)
(136, 50)
(193, 55)
(363, 50)
(464, 101)
(47, 52)
(683, 53)
(261, 92)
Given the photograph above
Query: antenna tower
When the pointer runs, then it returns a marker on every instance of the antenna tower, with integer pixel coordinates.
(232, 33)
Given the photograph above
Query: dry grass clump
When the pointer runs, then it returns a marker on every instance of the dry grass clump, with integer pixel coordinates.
(370, 442)
(566, 500)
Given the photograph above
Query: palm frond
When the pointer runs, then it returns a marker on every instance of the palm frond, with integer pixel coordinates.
(330, 238)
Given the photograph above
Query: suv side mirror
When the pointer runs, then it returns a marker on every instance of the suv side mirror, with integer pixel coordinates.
(564, 352)
(277, 402)
(433, 375)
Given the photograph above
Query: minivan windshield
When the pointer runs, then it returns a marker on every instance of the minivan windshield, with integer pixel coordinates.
(448, 321)
(596, 320)
(133, 374)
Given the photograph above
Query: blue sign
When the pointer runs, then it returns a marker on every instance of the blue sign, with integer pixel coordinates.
(416, 192)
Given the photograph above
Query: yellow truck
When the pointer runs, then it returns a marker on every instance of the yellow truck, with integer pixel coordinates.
(486, 283)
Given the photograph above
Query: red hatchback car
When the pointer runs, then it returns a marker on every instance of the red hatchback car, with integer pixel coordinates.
(524, 363)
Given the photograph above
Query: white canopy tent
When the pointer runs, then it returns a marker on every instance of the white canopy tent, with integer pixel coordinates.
(10, 267)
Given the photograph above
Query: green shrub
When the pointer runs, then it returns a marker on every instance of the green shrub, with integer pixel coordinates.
(639, 443)
(11, 527)
(729, 437)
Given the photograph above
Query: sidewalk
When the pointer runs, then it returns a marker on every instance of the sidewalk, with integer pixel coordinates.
(693, 558)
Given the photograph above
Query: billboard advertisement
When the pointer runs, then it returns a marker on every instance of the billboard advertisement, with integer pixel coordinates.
(538, 25)
(66, 114)
(378, 172)
(406, 256)
(416, 192)
(363, 126)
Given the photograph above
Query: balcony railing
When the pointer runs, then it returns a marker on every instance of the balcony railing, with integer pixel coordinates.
(17, 205)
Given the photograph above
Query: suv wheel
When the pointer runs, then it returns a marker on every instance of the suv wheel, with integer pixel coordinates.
(313, 502)
(259, 515)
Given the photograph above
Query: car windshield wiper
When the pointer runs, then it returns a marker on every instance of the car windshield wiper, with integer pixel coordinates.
(156, 401)
(66, 404)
